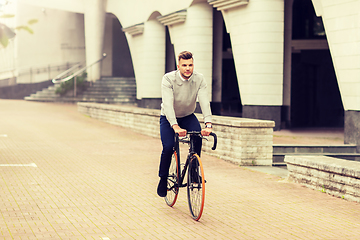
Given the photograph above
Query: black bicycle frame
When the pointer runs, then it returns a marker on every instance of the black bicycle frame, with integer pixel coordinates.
(189, 158)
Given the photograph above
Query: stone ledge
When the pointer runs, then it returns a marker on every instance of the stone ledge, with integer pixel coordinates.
(242, 122)
(173, 18)
(337, 177)
(221, 5)
(134, 29)
(217, 120)
(120, 108)
(241, 141)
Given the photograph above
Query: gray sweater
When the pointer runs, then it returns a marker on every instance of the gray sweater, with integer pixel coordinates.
(179, 97)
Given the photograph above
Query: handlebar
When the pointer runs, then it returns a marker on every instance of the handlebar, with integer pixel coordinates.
(215, 140)
(186, 138)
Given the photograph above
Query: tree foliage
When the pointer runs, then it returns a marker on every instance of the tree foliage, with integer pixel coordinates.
(69, 85)
(7, 33)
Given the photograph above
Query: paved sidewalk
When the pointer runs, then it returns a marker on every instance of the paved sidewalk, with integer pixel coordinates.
(67, 176)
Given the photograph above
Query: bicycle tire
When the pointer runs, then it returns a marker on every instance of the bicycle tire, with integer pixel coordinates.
(196, 187)
(172, 180)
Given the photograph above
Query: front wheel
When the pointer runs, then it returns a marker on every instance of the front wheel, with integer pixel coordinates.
(172, 181)
(196, 187)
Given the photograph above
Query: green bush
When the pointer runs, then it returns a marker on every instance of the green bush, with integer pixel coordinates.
(69, 85)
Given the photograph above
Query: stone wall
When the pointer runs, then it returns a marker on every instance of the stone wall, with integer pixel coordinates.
(240, 140)
(337, 177)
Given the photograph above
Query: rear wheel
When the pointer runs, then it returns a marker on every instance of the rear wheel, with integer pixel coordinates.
(172, 181)
(196, 187)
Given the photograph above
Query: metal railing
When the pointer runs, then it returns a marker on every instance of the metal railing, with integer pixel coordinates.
(35, 71)
(66, 73)
(60, 78)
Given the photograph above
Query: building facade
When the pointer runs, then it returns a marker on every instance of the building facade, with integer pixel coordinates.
(296, 62)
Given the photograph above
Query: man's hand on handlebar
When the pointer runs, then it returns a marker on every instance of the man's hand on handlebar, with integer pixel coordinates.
(182, 132)
(179, 130)
(206, 131)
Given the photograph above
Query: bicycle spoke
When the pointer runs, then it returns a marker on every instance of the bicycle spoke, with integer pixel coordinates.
(172, 180)
(196, 187)
(196, 198)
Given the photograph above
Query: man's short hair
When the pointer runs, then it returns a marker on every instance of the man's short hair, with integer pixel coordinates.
(185, 55)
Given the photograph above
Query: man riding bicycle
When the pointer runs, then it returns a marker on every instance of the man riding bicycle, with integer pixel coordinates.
(180, 90)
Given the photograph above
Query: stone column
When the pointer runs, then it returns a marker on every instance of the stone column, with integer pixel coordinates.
(94, 36)
(352, 128)
(287, 61)
(256, 30)
(147, 47)
(342, 33)
(152, 64)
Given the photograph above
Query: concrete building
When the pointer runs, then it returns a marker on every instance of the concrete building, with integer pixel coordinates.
(296, 62)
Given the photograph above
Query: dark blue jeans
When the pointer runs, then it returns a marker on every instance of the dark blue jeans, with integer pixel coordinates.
(167, 134)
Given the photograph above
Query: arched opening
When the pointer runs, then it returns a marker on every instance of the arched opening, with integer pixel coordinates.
(116, 43)
(315, 95)
(170, 58)
(226, 97)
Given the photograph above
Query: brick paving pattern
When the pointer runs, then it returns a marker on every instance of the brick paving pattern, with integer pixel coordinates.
(67, 176)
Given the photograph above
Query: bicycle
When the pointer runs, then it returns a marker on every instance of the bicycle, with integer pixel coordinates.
(195, 177)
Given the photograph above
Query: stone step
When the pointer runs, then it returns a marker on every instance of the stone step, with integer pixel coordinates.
(109, 100)
(109, 94)
(121, 81)
(278, 159)
(290, 148)
(104, 97)
(44, 94)
(107, 90)
(111, 90)
(117, 89)
(116, 79)
(41, 99)
(346, 151)
(110, 85)
(82, 99)
(51, 88)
